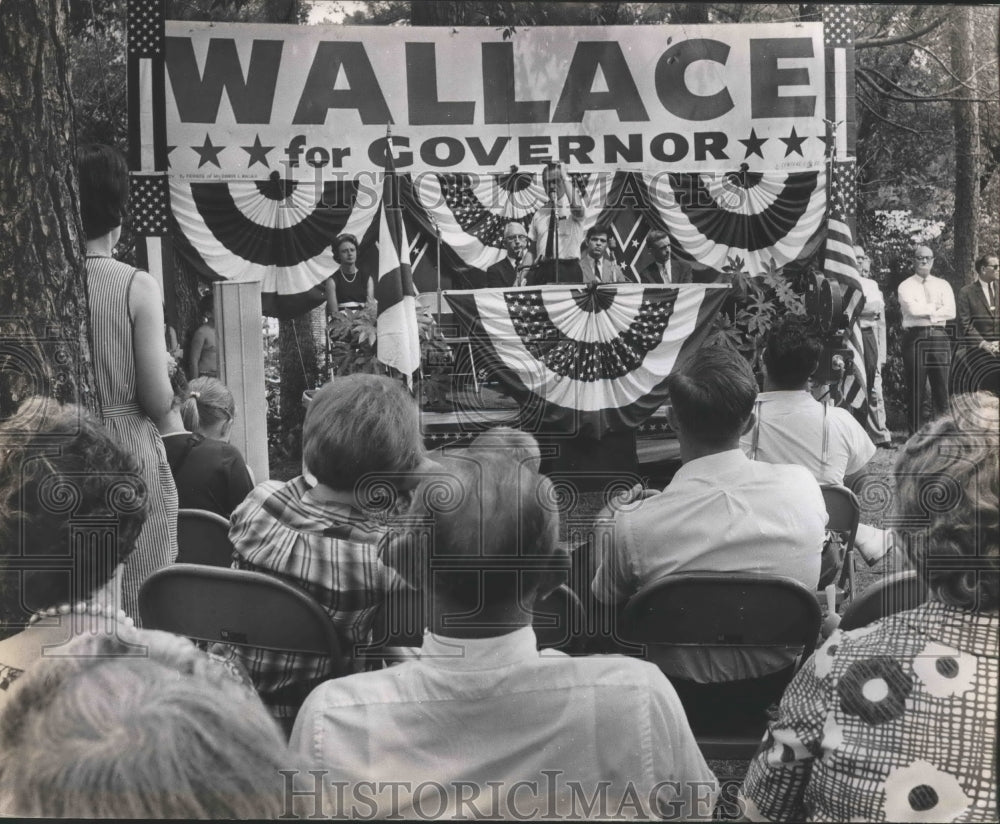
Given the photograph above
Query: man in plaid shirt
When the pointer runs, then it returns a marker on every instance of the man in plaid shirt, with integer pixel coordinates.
(360, 431)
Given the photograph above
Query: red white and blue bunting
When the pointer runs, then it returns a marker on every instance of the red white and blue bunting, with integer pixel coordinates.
(588, 359)
(281, 232)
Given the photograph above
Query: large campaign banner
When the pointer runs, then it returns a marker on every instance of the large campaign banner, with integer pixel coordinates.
(253, 146)
(241, 101)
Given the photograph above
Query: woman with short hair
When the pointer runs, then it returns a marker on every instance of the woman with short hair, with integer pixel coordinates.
(71, 493)
(896, 721)
(347, 285)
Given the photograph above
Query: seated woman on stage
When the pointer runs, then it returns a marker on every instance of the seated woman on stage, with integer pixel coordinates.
(210, 473)
(897, 721)
(71, 492)
(347, 284)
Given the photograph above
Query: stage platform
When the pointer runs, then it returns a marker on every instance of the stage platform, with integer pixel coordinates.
(652, 451)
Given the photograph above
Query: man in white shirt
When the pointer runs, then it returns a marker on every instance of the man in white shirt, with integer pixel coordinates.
(721, 513)
(792, 427)
(483, 724)
(873, 337)
(596, 266)
(927, 303)
(557, 244)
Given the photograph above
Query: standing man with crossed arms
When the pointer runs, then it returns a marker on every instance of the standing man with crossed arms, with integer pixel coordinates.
(927, 303)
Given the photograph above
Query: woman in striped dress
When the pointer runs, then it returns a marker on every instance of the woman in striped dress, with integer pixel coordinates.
(130, 358)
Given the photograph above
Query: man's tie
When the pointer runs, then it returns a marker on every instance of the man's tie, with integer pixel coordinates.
(550, 241)
(993, 295)
(597, 269)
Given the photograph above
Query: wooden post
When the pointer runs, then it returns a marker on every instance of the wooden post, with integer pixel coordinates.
(240, 340)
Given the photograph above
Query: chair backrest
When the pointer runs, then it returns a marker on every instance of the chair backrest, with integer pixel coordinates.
(894, 593)
(707, 609)
(203, 538)
(843, 511)
(236, 606)
(560, 620)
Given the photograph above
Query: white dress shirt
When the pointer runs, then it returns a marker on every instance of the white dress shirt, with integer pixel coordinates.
(928, 302)
(794, 428)
(493, 712)
(569, 230)
(720, 513)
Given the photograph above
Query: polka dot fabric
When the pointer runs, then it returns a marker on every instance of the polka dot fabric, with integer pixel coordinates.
(894, 722)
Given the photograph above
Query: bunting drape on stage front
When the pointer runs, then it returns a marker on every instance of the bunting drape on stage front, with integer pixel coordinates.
(588, 359)
(280, 231)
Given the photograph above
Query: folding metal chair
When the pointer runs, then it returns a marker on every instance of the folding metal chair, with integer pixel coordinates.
(203, 538)
(236, 606)
(243, 608)
(843, 516)
(702, 610)
(894, 593)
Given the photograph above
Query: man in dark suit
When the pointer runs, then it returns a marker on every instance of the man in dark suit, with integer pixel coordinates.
(596, 266)
(977, 365)
(511, 270)
(662, 269)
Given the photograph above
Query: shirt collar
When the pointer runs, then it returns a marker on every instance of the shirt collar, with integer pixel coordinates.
(471, 654)
(801, 396)
(711, 464)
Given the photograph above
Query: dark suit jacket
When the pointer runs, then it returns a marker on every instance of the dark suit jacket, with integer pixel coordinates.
(610, 271)
(976, 322)
(501, 274)
(678, 274)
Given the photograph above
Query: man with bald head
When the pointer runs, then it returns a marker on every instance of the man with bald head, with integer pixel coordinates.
(511, 270)
(927, 303)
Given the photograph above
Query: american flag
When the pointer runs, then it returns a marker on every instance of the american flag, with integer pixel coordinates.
(149, 198)
(841, 265)
(588, 359)
(838, 37)
(398, 344)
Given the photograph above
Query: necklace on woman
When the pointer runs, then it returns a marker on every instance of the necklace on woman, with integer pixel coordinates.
(354, 277)
(82, 608)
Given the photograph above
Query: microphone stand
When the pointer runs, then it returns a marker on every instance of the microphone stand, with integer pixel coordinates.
(437, 240)
(555, 231)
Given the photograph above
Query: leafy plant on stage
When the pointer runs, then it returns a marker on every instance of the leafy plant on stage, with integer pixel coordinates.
(756, 302)
(353, 337)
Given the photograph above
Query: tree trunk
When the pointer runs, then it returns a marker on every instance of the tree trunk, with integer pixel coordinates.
(691, 13)
(439, 12)
(966, 118)
(44, 347)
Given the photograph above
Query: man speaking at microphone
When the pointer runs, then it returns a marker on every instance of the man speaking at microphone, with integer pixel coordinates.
(557, 231)
(512, 269)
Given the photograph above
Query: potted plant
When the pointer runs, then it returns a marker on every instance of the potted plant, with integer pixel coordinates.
(353, 337)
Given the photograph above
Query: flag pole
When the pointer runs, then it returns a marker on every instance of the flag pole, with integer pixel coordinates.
(437, 240)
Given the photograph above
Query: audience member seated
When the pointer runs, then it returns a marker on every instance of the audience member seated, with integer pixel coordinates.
(361, 433)
(721, 512)
(793, 427)
(210, 473)
(897, 721)
(138, 725)
(59, 469)
(483, 715)
(519, 445)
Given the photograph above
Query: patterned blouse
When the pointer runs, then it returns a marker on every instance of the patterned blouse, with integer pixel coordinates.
(895, 721)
